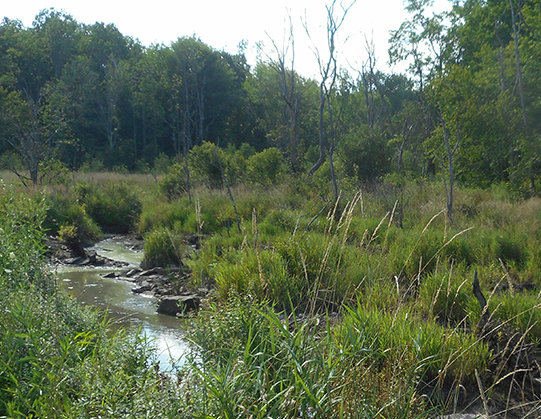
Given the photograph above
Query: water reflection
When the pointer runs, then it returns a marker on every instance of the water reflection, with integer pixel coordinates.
(124, 308)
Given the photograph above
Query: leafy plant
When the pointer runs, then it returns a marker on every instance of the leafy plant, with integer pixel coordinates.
(115, 207)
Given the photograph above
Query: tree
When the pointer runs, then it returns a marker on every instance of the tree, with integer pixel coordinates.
(328, 70)
(426, 42)
(150, 99)
(31, 114)
(290, 92)
(31, 126)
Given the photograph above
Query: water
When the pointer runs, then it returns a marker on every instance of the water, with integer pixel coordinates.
(125, 309)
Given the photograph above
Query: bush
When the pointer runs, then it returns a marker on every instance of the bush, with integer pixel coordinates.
(206, 161)
(115, 207)
(173, 184)
(266, 167)
(64, 210)
(163, 163)
(365, 155)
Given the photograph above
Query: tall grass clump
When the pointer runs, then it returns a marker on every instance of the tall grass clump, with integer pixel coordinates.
(21, 240)
(178, 215)
(306, 269)
(163, 247)
(446, 297)
(257, 364)
(422, 354)
(252, 361)
(521, 311)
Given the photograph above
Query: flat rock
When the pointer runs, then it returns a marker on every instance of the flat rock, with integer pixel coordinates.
(153, 271)
(143, 287)
(178, 304)
(74, 261)
(130, 273)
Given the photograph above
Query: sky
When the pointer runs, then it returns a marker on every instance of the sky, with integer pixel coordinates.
(224, 24)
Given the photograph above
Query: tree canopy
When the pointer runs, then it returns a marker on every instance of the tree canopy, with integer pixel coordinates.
(88, 95)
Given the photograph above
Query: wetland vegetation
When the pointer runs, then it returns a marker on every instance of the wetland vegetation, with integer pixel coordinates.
(336, 224)
(336, 313)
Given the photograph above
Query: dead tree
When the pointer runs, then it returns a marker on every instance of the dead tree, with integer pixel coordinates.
(449, 189)
(328, 70)
(284, 65)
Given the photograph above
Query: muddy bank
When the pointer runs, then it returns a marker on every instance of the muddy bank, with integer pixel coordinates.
(61, 253)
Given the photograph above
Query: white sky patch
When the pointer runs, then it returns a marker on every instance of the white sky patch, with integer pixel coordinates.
(224, 24)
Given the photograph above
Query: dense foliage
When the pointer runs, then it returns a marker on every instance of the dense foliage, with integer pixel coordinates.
(91, 98)
(332, 316)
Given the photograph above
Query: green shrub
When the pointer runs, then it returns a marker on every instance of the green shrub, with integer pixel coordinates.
(173, 184)
(115, 207)
(163, 163)
(365, 154)
(207, 162)
(266, 167)
(62, 210)
(178, 215)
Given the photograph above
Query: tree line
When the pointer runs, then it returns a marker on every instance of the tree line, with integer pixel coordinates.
(467, 109)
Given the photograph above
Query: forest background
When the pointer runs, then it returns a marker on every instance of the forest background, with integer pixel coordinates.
(85, 96)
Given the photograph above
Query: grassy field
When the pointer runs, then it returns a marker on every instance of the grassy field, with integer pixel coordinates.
(361, 308)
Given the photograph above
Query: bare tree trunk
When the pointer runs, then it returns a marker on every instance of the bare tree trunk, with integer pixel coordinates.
(134, 125)
(31, 139)
(500, 58)
(328, 71)
(107, 108)
(518, 66)
(331, 152)
(289, 91)
(186, 152)
(321, 158)
(224, 180)
(449, 191)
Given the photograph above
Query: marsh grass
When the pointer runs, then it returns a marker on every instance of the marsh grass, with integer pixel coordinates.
(321, 310)
(409, 290)
(113, 206)
(256, 362)
(163, 247)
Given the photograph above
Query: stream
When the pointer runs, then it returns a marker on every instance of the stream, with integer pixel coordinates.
(125, 308)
